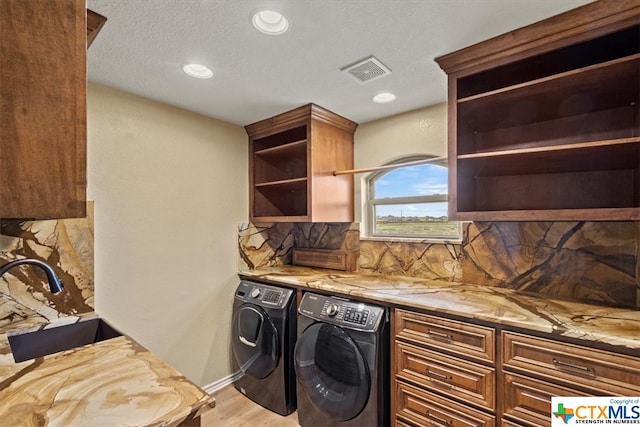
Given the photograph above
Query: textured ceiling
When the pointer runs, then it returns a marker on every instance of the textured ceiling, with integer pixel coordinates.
(144, 44)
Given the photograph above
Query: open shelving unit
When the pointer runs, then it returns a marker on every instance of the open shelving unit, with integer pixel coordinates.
(280, 174)
(544, 122)
(292, 159)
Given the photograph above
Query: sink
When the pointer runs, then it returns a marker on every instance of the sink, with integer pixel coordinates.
(60, 338)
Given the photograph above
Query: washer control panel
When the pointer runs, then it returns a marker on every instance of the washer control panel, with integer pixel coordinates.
(264, 295)
(356, 316)
(342, 312)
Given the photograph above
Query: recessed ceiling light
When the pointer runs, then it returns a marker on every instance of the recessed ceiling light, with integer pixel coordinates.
(198, 71)
(270, 22)
(384, 97)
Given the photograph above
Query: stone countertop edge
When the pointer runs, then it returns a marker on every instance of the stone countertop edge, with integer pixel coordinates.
(127, 370)
(615, 328)
(17, 329)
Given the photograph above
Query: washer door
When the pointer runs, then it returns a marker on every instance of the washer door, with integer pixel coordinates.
(255, 341)
(332, 371)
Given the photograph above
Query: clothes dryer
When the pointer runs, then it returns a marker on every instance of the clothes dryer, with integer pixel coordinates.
(342, 363)
(263, 339)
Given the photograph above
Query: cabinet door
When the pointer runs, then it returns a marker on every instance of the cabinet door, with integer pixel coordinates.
(43, 109)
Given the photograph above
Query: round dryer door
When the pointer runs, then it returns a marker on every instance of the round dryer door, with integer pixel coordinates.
(255, 341)
(332, 371)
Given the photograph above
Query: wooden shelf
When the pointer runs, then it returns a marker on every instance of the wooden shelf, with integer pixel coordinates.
(594, 189)
(600, 155)
(581, 176)
(590, 214)
(573, 56)
(291, 147)
(598, 87)
(282, 198)
(615, 124)
(285, 183)
(551, 131)
(281, 163)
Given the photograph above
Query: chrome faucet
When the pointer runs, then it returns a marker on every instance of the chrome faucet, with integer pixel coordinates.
(55, 284)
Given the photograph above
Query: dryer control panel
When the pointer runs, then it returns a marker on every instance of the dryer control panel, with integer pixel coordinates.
(264, 295)
(342, 312)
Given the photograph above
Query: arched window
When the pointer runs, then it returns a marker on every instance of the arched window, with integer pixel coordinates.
(410, 201)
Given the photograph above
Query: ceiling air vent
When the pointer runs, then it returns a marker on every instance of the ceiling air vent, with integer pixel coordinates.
(367, 70)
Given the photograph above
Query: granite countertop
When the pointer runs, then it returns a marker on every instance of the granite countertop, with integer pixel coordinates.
(116, 382)
(614, 328)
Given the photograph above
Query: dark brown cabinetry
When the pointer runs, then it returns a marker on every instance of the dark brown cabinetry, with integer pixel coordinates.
(450, 372)
(444, 371)
(292, 158)
(544, 121)
(43, 107)
(536, 369)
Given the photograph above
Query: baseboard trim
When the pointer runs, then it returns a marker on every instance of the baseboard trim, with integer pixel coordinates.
(221, 383)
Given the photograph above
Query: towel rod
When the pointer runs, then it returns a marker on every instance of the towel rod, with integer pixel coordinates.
(392, 166)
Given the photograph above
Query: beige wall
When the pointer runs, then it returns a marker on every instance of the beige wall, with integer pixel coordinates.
(422, 131)
(169, 188)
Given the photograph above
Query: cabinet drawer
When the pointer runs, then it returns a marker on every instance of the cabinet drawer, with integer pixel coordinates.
(526, 399)
(424, 408)
(456, 337)
(453, 377)
(602, 371)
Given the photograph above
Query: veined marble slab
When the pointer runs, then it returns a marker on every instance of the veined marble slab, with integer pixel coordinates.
(67, 246)
(111, 383)
(594, 262)
(614, 327)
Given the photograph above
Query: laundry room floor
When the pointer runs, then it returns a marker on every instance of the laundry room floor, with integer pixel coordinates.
(234, 409)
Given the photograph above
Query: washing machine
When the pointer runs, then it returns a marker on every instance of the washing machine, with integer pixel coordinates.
(263, 339)
(341, 362)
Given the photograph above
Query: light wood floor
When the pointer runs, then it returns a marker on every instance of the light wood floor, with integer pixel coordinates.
(234, 409)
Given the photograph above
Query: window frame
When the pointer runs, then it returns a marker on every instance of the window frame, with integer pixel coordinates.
(371, 202)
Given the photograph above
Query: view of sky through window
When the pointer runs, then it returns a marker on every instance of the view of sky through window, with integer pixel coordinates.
(420, 180)
(411, 201)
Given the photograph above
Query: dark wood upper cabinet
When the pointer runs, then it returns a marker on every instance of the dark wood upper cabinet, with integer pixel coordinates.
(292, 157)
(544, 121)
(43, 81)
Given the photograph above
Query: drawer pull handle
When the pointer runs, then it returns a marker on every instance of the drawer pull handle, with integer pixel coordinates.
(440, 335)
(437, 419)
(438, 375)
(582, 369)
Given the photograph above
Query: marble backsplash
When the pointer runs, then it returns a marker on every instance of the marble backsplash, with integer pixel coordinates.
(66, 245)
(585, 261)
(271, 245)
